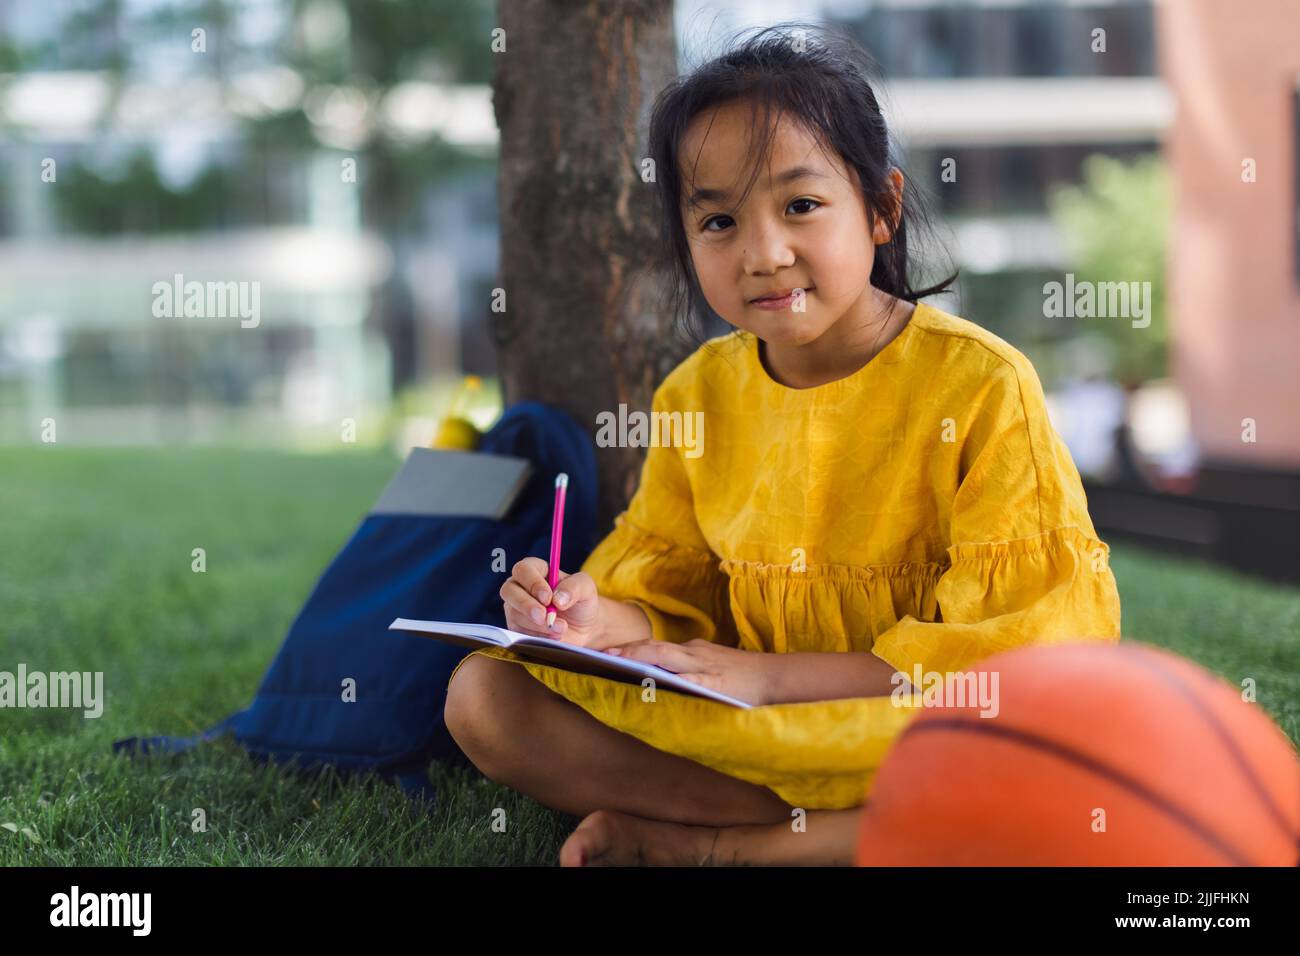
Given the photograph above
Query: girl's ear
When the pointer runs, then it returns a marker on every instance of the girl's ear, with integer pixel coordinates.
(883, 228)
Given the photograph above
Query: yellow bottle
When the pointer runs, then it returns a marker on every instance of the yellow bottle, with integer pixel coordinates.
(455, 432)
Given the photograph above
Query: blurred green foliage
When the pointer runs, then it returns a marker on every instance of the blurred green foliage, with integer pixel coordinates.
(136, 199)
(366, 45)
(1116, 224)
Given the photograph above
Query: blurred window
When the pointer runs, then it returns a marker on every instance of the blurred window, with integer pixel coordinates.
(958, 39)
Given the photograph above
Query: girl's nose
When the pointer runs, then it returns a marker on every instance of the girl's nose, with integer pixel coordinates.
(766, 251)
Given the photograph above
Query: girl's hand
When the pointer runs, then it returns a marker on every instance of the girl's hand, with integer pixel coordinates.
(745, 675)
(577, 605)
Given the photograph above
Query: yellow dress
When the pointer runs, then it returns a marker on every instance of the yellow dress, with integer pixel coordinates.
(922, 509)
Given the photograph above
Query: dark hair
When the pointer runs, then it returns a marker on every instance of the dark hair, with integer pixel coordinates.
(820, 79)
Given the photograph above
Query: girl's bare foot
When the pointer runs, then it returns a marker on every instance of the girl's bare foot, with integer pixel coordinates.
(610, 838)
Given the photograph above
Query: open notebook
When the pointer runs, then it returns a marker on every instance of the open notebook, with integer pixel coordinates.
(569, 657)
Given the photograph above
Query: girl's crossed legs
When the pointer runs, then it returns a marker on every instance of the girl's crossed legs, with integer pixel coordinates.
(641, 805)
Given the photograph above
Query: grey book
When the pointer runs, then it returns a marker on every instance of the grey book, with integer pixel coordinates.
(469, 484)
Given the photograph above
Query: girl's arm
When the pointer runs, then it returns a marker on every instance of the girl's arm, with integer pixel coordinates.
(809, 676)
(622, 623)
(761, 678)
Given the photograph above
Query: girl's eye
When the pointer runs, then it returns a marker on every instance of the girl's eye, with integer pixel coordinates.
(726, 220)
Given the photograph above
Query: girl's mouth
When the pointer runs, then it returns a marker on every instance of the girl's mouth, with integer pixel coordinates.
(781, 302)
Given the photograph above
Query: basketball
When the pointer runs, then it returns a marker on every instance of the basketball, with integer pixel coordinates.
(1085, 754)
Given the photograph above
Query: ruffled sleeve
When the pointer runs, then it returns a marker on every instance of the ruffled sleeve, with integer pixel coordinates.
(1026, 566)
(657, 558)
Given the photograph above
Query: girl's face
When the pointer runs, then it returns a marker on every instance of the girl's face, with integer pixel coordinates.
(802, 226)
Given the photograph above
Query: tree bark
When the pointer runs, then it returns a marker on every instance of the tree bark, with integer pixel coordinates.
(572, 96)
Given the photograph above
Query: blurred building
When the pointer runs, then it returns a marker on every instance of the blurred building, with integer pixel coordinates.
(1013, 93)
(1234, 266)
(1013, 97)
(348, 313)
(109, 367)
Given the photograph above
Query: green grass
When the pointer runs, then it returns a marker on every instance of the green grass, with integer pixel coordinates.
(95, 575)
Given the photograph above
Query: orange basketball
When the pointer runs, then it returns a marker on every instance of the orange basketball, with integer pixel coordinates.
(1094, 755)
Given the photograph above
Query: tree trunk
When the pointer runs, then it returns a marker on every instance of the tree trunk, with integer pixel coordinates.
(572, 96)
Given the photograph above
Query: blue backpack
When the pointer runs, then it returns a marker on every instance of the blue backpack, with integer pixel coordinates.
(405, 565)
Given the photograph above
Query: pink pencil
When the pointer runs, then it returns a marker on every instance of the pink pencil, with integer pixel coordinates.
(557, 529)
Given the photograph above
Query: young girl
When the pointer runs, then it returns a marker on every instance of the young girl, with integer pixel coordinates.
(880, 495)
